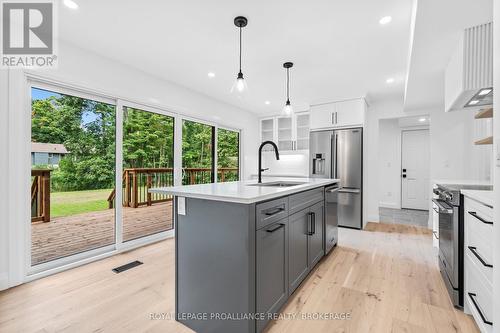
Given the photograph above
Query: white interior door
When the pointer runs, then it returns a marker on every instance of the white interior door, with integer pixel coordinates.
(415, 169)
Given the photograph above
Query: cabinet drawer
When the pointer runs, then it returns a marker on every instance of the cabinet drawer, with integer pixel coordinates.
(478, 296)
(478, 219)
(305, 199)
(480, 252)
(271, 211)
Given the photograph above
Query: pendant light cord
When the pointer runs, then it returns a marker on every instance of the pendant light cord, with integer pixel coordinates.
(288, 84)
(240, 48)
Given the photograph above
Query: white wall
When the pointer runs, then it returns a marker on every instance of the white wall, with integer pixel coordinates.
(496, 226)
(4, 102)
(89, 71)
(453, 154)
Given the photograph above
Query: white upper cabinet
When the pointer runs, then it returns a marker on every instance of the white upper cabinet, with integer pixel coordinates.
(338, 114)
(289, 133)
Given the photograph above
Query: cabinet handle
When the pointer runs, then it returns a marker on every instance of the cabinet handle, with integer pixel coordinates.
(480, 218)
(435, 234)
(274, 211)
(309, 223)
(474, 251)
(277, 227)
(486, 321)
(313, 223)
(333, 118)
(336, 118)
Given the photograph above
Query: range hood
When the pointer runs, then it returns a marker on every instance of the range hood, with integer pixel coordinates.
(469, 74)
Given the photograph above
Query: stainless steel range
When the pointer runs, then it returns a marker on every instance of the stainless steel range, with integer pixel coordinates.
(450, 207)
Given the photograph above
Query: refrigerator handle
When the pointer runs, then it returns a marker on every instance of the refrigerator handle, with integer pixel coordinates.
(334, 156)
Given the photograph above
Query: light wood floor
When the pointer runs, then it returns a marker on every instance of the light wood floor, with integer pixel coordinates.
(386, 277)
(64, 236)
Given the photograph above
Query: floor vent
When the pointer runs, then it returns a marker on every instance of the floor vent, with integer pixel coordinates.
(128, 266)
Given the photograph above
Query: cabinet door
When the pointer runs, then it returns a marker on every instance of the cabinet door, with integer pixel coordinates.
(322, 116)
(267, 131)
(285, 133)
(297, 248)
(302, 131)
(271, 268)
(350, 113)
(316, 248)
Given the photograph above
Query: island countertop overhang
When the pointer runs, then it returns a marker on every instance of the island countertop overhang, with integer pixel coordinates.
(244, 191)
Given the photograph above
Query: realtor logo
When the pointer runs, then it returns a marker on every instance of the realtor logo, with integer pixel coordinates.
(28, 34)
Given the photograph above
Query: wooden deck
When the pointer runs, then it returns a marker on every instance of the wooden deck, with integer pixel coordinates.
(64, 236)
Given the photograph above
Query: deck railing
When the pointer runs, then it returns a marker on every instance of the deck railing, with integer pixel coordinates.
(138, 181)
(40, 195)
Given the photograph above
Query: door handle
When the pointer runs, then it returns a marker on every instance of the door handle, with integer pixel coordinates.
(480, 218)
(309, 223)
(333, 190)
(274, 211)
(474, 252)
(277, 227)
(473, 299)
(346, 190)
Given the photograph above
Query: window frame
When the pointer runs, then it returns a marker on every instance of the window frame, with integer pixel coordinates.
(240, 172)
(32, 80)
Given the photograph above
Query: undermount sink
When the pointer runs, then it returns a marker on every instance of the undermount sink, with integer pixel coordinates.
(278, 184)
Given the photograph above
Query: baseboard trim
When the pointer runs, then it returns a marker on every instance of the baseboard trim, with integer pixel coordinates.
(4, 281)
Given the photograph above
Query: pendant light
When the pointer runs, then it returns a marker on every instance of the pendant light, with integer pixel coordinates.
(240, 85)
(287, 110)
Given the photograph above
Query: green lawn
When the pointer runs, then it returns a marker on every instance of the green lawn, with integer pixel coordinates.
(71, 203)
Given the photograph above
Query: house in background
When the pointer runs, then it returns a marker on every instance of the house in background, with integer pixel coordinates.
(47, 153)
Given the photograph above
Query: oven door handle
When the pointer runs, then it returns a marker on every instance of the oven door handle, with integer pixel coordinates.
(442, 209)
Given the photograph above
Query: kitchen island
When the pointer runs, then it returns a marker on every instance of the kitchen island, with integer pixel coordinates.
(243, 248)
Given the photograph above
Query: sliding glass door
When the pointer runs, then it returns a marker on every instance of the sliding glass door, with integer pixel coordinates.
(72, 175)
(197, 153)
(148, 162)
(73, 194)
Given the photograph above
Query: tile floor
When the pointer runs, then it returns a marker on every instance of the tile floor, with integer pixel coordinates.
(404, 216)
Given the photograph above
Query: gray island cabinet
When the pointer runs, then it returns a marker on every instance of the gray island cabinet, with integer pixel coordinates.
(242, 250)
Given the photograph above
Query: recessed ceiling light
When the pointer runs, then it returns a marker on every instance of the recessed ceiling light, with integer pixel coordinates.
(422, 120)
(70, 4)
(473, 102)
(267, 102)
(485, 92)
(385, 20)
(389, 80)
(211, 74)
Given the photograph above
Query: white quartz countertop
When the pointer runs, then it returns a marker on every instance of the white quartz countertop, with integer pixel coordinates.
(461, 182)
(485, 197)
(241, 192)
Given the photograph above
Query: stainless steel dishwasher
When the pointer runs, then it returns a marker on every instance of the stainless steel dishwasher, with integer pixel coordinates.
(331, 217)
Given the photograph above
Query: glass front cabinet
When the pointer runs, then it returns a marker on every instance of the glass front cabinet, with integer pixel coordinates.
(289, 133)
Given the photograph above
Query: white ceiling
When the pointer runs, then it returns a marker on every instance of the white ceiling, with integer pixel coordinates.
(438, 27)
(339, 48)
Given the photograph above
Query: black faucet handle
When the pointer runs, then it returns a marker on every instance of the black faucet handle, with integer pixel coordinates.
(264, 169)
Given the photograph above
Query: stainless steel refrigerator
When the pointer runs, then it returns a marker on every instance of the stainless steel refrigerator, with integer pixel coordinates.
(339, 154)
